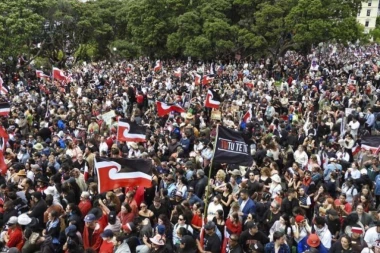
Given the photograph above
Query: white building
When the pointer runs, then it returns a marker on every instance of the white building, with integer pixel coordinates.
(368, 14)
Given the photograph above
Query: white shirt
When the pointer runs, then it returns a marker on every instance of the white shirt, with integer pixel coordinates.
(354, 127)
(211, 210)
(103, 147)
(372, 238)
(324, 235)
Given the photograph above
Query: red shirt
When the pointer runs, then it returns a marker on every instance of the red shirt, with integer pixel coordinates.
(85, 206)
(96, 240)
(15, 238)
(196, 220)
(107, 247)
(126, 217)
(233, 228)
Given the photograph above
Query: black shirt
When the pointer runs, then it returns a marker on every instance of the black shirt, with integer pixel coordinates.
(246, 239)
(212, 243)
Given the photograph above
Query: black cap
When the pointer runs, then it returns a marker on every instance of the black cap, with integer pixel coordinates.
(251, 224)
(112, 217)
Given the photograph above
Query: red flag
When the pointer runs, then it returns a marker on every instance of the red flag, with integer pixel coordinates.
(207, 79)
(129, 131)
(164, 109)
(158, 66)
(3, 89)
(59, 74)
(197, 79)
(178, 72)
(248, 115)
(212, 99)
(40, 74)
(3, 146)
(120, 172)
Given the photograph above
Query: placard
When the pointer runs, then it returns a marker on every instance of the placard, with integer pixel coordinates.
(234, 108)
(216, 115)
(107, 117)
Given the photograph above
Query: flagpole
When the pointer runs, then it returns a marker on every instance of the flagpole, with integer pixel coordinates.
(209, 174)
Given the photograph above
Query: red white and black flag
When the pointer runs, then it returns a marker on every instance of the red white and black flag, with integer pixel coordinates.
(212, 99)
(130, 131)
(231, 148)
(5, 108)
(164, 109)
(120, 172)
(4, 137)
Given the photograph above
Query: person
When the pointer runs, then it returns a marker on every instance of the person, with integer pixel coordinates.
(311, 241)
(289, 203)
(187, 245)
(211, 241)
(372, 235)
(323, 232)
(252, 236)
(121, 245)
(278, 244)
(92, 233)
(14, 237)
(342, 245)
(39, 207)
(107, 244)
(247, 205)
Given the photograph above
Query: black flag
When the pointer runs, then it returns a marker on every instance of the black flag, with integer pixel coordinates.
(231, 148)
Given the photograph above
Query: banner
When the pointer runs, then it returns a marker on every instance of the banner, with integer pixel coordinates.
(231, 148)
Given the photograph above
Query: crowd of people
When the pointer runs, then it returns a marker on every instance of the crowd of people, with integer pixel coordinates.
(308, 189)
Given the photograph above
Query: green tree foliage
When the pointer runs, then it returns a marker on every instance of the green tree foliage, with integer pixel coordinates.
(204, 29)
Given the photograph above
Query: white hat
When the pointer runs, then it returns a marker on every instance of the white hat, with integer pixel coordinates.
(157, 239)
(50, 190)
(24, 219)
(363, 171)
(12, 220)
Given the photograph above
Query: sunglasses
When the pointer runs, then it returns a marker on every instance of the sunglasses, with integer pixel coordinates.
(181, 219)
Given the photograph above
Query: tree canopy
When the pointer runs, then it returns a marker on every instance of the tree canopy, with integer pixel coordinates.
(59, 30)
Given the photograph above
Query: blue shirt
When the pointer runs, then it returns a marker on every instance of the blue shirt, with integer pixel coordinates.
(269, 248)
(377, 185)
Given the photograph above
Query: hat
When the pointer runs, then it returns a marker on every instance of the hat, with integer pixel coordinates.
(48, 140)
(157, 239)
(276, 178)
(12, 220)
(89, 218)
(209, 225)
(60, 134)
(133, 145)
(187, 239)
(21, 173)
(24, 219)
(161, 229)
(357, 230)
(236, 173)
(178, 194)
(251, 224)
(38, 147)
(363, 171)
(112, 217)
(107, 233)
(189, 164)
(189, 116)
(313, 240)
(70, 229)
(299, 218)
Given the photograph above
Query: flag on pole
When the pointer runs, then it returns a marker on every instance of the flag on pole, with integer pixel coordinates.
(225, 240)
(212, 99)
(207, 79)
(4, 137)
(130, 131)
(231, 148)
(248, 115)
(59, 75)
(120, 172)
(158, 66)
(5, 108)
(40, 74)
(3, 89)
(178, 72)
(164, 109)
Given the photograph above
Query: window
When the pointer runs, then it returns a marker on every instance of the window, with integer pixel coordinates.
(368, 13)
(366, 23)
(369, 2)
